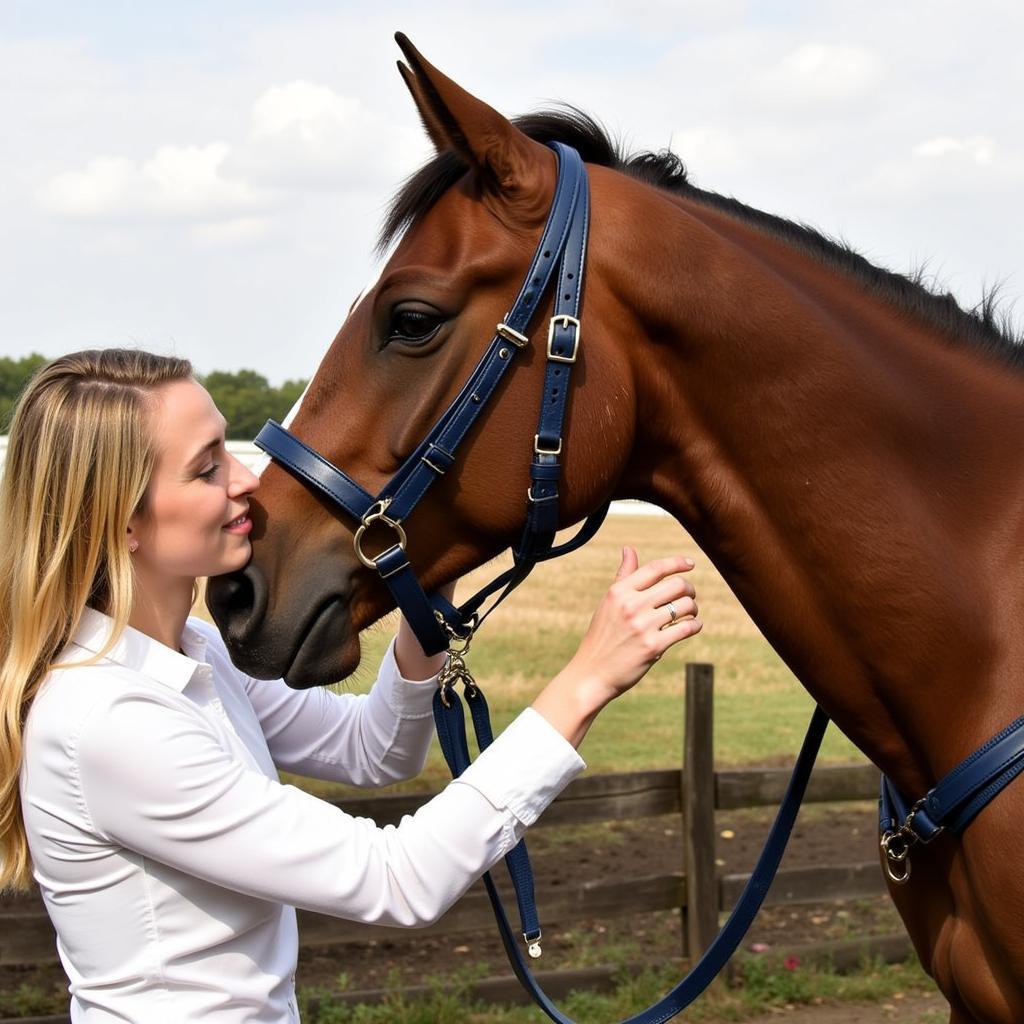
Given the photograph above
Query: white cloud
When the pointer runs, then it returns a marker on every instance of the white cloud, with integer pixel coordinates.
(978, 148)
(184, 182)
(815, 74)
(300, 135)
(312, 113)
(707, 150)
(304, 134)
(240, 231)
(970, 166)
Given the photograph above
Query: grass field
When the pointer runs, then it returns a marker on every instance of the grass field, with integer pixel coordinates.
(761, 711)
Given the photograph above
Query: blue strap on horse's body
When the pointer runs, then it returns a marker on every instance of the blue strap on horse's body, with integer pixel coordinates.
(950, 805)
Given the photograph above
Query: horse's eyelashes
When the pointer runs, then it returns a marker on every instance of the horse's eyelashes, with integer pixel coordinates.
(414, 326)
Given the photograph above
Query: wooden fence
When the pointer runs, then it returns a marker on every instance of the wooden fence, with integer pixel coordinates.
(695, 793)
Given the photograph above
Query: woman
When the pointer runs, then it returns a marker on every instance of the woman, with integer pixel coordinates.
(138, 768)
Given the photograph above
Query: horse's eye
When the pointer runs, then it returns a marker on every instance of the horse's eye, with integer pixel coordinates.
(414, 326)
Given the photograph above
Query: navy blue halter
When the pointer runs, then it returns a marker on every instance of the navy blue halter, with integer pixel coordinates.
(433, 619)
(439, 626)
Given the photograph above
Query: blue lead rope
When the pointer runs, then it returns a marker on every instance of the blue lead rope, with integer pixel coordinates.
(450, 722)
(451, 730)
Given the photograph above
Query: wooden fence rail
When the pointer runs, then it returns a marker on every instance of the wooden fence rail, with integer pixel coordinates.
(694, 792)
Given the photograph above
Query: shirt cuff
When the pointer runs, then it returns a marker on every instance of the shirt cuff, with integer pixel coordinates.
(407, 698)
(525, 768)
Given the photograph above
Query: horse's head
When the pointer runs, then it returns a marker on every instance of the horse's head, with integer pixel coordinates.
(469, 223)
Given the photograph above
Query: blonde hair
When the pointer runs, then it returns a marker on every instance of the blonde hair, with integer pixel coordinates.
(79, 459)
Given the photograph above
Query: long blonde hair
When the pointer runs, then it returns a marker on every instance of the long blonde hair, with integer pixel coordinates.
(79, 459)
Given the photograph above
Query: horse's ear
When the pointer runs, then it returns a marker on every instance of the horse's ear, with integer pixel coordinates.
(433, 127)
(455, 119)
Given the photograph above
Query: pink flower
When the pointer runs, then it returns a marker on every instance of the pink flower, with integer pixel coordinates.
(791, 963)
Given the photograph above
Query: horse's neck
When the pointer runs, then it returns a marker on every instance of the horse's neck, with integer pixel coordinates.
(853, 478)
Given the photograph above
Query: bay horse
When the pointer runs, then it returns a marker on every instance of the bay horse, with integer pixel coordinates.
(843, 444)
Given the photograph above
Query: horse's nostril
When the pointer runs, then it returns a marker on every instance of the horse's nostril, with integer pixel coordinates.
(238, 602)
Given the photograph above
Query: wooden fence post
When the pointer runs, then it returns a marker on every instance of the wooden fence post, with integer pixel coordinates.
(701, 914)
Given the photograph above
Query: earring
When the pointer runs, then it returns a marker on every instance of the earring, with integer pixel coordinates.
(133, 546)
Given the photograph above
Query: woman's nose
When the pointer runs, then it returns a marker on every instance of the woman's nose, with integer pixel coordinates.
(243, 479)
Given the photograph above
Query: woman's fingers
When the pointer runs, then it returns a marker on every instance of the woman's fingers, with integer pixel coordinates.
(629, 563)
(653, 572)
(671, 588)
(674, 610)
(681, 629)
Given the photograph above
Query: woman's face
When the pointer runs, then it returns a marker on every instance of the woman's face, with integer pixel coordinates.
(193, 520)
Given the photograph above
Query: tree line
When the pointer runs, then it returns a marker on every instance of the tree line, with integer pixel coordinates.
(245, 397)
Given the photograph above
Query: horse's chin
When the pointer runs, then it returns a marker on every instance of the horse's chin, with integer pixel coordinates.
(320, 651)
(327, 652)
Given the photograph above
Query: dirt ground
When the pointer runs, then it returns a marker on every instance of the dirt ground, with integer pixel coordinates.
(563, 857)
(636, 849)
(922, 1008)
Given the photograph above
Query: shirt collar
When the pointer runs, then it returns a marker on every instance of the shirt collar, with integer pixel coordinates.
(137, 651)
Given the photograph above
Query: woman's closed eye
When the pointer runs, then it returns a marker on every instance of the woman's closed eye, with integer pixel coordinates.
(209, 474)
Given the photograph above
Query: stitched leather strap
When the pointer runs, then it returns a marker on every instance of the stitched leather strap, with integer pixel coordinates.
(450, 722)
(957, 798)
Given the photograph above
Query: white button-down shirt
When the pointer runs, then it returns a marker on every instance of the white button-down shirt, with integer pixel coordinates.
(170, 857)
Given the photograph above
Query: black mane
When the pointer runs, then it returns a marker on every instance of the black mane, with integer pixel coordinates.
(982, 326)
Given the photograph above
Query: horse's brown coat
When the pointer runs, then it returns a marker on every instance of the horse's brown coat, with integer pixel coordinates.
(854, 476)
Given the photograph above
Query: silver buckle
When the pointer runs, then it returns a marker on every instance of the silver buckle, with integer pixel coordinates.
(544, 451)
(509, 334)
(566, 321)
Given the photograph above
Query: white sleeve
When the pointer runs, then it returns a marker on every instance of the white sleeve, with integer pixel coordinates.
(155, 778)
(368, 739)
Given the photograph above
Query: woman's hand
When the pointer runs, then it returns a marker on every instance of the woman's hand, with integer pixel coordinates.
(412, 663)
(631, 629)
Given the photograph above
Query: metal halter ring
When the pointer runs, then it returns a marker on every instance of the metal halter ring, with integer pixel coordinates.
(896, 850)
(376, 515)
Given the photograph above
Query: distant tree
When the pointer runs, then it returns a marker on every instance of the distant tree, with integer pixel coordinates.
(245, 397)
(247, 400)
(14, 375)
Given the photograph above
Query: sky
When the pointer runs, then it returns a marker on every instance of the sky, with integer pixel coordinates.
(208, 178)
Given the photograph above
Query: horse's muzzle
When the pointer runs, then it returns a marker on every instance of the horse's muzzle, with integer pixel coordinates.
(310, 644)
